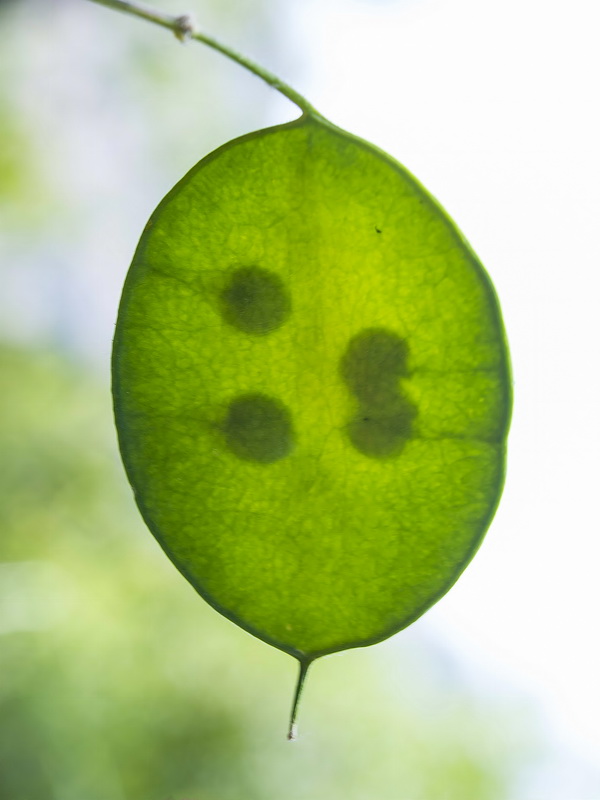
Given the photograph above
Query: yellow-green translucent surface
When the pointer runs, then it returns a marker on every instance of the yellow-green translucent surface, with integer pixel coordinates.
(312, 388)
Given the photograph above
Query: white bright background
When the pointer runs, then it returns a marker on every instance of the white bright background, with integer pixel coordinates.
(494, 107)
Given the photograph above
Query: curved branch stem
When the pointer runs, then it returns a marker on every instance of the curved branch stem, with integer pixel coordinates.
(183, 27)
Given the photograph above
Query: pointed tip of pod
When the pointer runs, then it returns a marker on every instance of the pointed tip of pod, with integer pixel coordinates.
(293, 729)
(293, 732)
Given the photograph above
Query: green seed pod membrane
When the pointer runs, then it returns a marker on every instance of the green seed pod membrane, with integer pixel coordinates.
(312, 388)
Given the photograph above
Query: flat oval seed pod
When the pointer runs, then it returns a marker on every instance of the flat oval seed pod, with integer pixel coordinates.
(312, 388)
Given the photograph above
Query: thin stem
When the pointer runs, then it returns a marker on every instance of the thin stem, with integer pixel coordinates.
(293, 729)
(183, 28)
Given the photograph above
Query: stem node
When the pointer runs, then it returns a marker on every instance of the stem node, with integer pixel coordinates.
(184, 27)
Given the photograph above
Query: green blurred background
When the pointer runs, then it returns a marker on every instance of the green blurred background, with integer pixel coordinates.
(116, 681)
